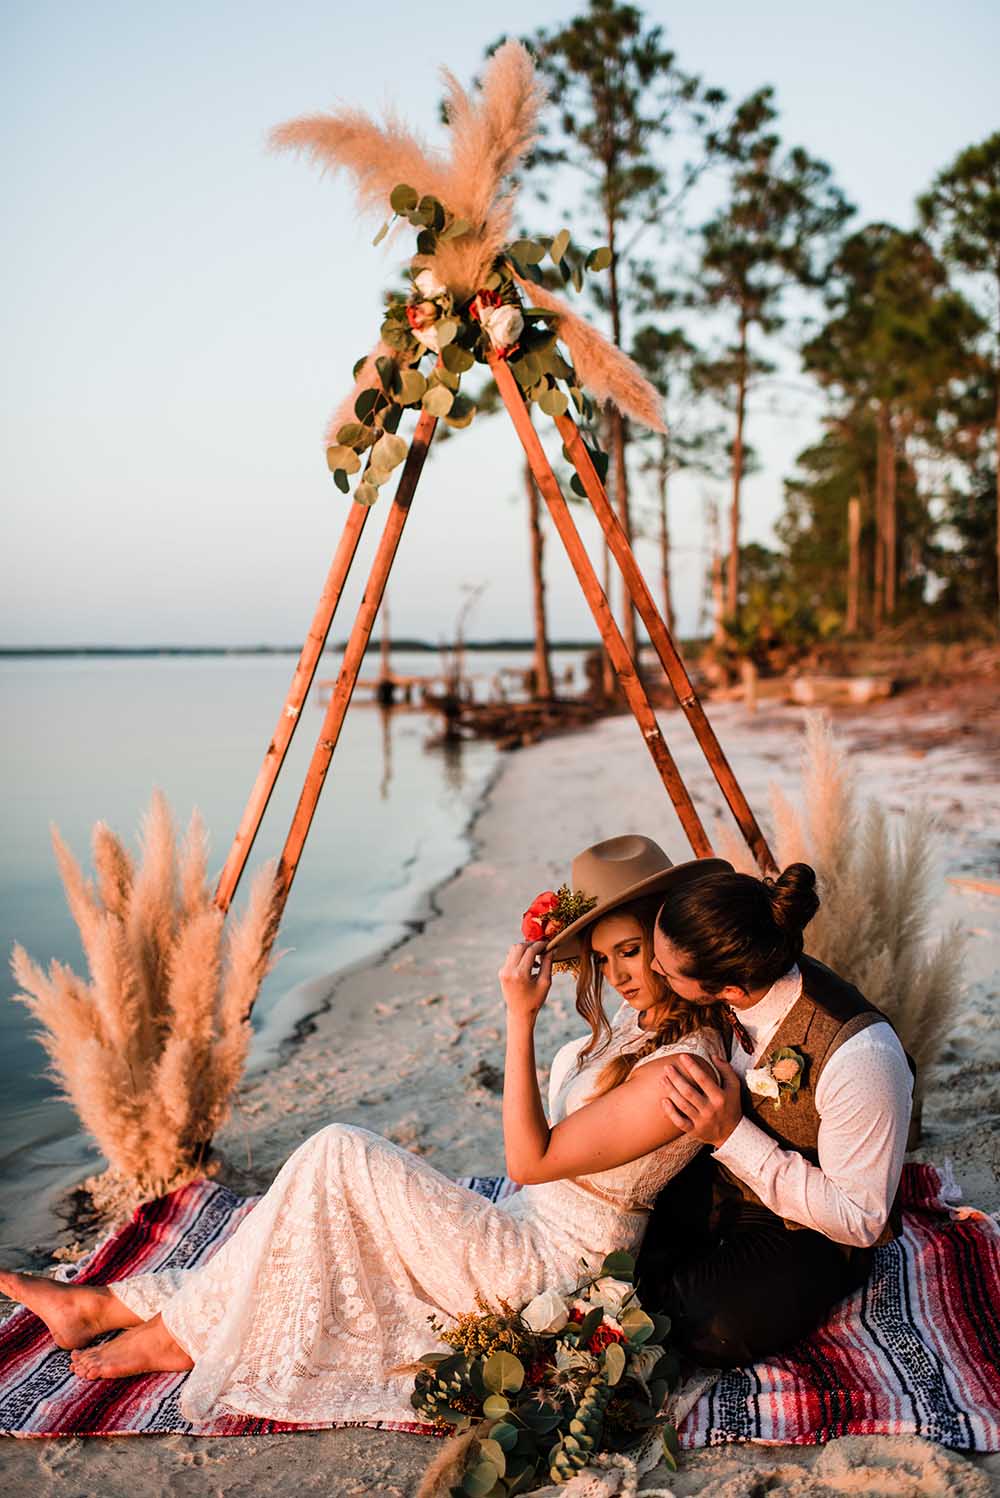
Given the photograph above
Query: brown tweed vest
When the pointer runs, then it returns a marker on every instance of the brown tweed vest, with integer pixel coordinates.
(829, 1011)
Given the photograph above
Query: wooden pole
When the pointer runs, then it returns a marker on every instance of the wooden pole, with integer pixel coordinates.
(297, 694)
(670, 659)
(354, 655)
(596, 597)
(853, 565)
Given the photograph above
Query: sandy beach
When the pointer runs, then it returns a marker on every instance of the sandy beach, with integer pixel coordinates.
(410, 1046)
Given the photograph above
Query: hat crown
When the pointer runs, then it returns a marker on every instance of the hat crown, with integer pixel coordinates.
(613, 868)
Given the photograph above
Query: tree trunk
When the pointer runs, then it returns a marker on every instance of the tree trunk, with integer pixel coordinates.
(878, 599)
(891, 548)
(733, 572)
(664, 478)
(853, 564)
(543, 670)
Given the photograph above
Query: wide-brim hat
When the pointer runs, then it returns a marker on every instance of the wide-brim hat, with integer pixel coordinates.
(622, 869)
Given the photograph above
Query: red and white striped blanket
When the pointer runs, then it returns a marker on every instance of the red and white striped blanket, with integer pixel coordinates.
(916, 1352)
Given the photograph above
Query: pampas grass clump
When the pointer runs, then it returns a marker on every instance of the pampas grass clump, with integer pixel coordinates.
(875, 887)
(150, 1051)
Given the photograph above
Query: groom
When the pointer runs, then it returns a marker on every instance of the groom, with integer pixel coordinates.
(776, 1221)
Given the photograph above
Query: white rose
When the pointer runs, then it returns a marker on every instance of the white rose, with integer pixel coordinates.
(760, 1081)
(610, 1293)
(546, 1313)
(503, 325)
(428, 337)
(428, 284)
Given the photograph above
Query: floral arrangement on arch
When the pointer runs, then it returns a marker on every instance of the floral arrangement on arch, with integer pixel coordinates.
(553, 1385)
(468, 278)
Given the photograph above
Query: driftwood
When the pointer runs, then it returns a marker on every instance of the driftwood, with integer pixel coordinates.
(511, 725)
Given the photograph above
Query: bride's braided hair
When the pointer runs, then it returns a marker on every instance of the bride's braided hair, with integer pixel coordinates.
(681, 1018)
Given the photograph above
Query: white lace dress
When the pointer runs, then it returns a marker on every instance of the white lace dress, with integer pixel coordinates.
(328, 1283)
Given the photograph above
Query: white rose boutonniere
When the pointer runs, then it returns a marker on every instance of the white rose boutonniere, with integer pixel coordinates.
(611, 1294)
(780, 1076)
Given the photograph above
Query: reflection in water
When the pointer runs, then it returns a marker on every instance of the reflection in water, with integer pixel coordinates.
(454, 765)
(385, 713)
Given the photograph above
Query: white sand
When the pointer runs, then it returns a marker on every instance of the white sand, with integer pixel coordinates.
(410, 1046)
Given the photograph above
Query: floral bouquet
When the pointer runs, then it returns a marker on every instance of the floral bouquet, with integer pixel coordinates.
(565, 1377)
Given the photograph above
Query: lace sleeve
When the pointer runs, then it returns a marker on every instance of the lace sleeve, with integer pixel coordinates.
(705, 1044)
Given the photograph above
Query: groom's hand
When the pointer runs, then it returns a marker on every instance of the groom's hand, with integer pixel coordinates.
(696, 1104)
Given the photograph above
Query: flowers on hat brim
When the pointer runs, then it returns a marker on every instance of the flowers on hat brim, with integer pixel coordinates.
(552, 911)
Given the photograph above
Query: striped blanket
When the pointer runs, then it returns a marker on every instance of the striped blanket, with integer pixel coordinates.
(916, 1351)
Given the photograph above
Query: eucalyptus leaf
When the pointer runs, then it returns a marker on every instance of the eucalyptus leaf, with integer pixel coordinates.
(388, 372)
(456, 358)
(389, 451)
(527, 251)
(636, 1325)
(456, 228)
(446, 329)
(438, 400)
(341, 481)
(359, 365)
(431, 211)
(503, 1432)
(577, 487)
(554, 402)
(480, 1480)
(614, 1362)
(344, 458)
(352, 432)
(589, 1324)
(444, 376)
(381, 233)
(599, 259)
(427, 242)
(365, 404)
(578, 277)
(462, 412)
(619, 1265)
(559, 246)
(495, 1406)
(671, 1446)
(503, 1373)
(403, 198)
(541, 312)
(412, 385)
(366, 494)
(492, 1451)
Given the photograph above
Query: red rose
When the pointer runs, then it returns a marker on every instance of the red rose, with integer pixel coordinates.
(603, 1337)
(421, 314)
(481, 301)
(534, 926)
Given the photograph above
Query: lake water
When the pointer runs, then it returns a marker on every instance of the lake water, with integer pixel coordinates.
(87, 739)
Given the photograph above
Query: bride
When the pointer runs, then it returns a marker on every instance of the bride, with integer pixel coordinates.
(326, 1288)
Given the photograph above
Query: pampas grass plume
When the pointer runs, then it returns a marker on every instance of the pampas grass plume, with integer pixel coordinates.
(150, 1050)
(876, 884)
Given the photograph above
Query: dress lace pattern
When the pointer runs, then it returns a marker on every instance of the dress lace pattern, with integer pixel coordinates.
(326, 1287)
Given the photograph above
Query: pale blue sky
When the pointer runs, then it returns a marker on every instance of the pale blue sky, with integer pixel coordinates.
(181, 310)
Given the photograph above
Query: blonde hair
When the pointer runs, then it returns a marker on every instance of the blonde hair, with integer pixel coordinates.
(681, 1016)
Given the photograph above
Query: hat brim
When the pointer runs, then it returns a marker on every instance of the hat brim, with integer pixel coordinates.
(566, 944)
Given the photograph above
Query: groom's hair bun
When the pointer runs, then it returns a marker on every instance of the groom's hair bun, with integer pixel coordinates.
(738, 929)
(793, 897)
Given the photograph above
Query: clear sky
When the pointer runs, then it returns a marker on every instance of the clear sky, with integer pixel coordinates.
(181, 309)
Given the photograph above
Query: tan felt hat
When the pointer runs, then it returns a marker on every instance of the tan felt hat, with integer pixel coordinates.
(621, 869)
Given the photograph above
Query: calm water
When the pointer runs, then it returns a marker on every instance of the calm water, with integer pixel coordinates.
(87, 740)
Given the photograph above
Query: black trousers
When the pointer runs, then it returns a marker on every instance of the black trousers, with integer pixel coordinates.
(737, 1284)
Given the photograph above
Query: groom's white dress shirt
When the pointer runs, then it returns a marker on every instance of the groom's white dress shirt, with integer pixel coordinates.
(863, 1098)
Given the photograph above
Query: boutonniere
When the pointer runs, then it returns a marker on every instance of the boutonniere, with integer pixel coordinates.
(780, 1076)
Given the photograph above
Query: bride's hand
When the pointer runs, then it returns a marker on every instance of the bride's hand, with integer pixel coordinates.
(525, 990)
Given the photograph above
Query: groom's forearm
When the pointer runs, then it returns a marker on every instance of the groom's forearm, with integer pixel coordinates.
(525, 1128)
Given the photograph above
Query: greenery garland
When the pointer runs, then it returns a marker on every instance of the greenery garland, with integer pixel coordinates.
(493, 322)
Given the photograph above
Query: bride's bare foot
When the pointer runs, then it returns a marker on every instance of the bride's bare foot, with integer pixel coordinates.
(148, 1348)
(74, 1314)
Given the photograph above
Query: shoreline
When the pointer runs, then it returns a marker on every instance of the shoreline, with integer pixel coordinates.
(409, 1045)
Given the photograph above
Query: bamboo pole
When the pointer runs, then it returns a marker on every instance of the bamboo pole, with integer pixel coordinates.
(597, 599)
(670, 659)
(302, 679)
(354, 654)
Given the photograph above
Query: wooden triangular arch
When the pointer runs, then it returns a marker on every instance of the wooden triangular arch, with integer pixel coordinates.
(468, 285)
